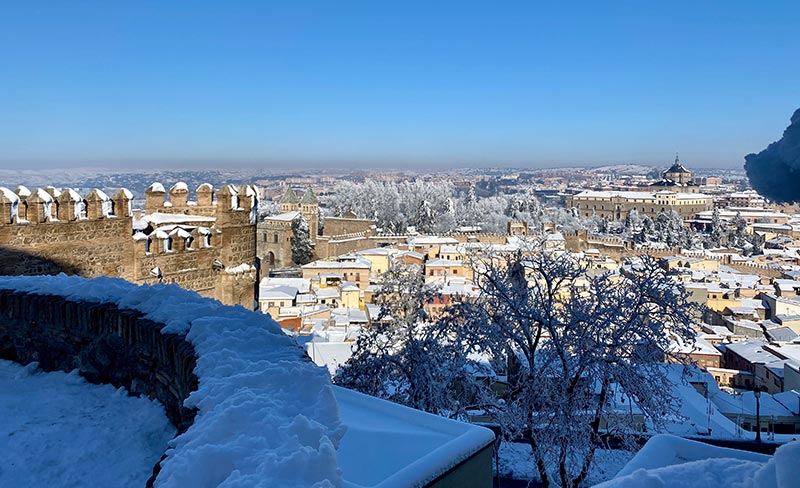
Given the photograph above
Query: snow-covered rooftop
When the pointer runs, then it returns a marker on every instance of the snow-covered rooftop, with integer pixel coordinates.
(387, 445)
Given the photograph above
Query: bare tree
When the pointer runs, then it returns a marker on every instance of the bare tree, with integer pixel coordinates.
(403, 358)
(577, 346)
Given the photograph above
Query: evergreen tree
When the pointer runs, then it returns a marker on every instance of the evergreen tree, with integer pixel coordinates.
(302, 247)
(646, 231)
(716, 237)
(425, 218)
(633, 221)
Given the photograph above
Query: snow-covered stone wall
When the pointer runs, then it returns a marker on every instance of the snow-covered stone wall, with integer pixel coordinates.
(265, 415)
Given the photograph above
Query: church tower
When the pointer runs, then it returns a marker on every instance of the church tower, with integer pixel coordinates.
(289, 201)
(309, 207)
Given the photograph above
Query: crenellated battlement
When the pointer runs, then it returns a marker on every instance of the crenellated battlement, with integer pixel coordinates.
(49, 204)
(191, 243)
(208, 201)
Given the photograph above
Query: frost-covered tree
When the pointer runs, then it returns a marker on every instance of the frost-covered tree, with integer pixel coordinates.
(632, 221)
(267, 208)
(577, 344)
(526, 207)
(716, 236)
(670, 230)
(737, 235)
(646, 231)
(424, 220)
(302, 247)
(403, 357)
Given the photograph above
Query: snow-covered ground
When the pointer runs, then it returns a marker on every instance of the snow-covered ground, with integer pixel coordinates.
(516, 461)
(57, 430)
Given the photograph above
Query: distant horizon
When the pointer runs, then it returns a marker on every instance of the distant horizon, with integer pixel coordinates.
(290, 167)
(377, 86)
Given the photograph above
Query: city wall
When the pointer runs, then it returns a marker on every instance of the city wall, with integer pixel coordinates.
(44, 232)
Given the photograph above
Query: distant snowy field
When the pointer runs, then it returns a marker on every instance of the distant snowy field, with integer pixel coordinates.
(57, 430)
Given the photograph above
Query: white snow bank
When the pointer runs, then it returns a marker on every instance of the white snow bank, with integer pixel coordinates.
(668, 461)
(58, 430)
(266, 416)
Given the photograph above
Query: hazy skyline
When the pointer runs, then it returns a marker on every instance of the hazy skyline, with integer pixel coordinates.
(393, 85)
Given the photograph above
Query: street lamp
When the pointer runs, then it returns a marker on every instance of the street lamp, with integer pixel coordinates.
(757, 393)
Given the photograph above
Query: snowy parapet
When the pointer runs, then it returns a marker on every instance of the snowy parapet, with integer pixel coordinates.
(266, 415)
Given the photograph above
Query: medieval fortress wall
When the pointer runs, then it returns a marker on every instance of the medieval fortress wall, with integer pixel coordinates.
(207, 245)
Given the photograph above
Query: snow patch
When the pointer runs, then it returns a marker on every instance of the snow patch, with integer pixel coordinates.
(58, 430)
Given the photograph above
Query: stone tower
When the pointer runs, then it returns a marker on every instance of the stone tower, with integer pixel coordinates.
(309, 207)
(289, 201)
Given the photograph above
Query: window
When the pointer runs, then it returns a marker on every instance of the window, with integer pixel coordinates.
(275, 238)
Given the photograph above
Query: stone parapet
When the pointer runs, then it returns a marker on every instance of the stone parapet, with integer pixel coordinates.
(105, 343)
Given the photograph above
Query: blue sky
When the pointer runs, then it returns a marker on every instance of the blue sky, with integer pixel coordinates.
(394, 84)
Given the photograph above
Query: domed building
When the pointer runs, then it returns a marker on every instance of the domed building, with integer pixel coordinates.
(677, 178)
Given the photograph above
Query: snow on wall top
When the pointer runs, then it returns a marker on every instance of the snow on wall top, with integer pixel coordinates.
(9, 195)
(179, 186)
(156, 188)
(266, 416)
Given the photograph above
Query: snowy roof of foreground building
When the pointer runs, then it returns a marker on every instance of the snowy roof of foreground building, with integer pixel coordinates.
(265, 410)
(413, 448)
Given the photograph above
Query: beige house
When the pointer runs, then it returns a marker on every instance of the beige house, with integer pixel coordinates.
(349, 267)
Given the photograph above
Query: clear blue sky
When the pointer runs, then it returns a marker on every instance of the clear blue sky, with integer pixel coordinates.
(302, 84)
